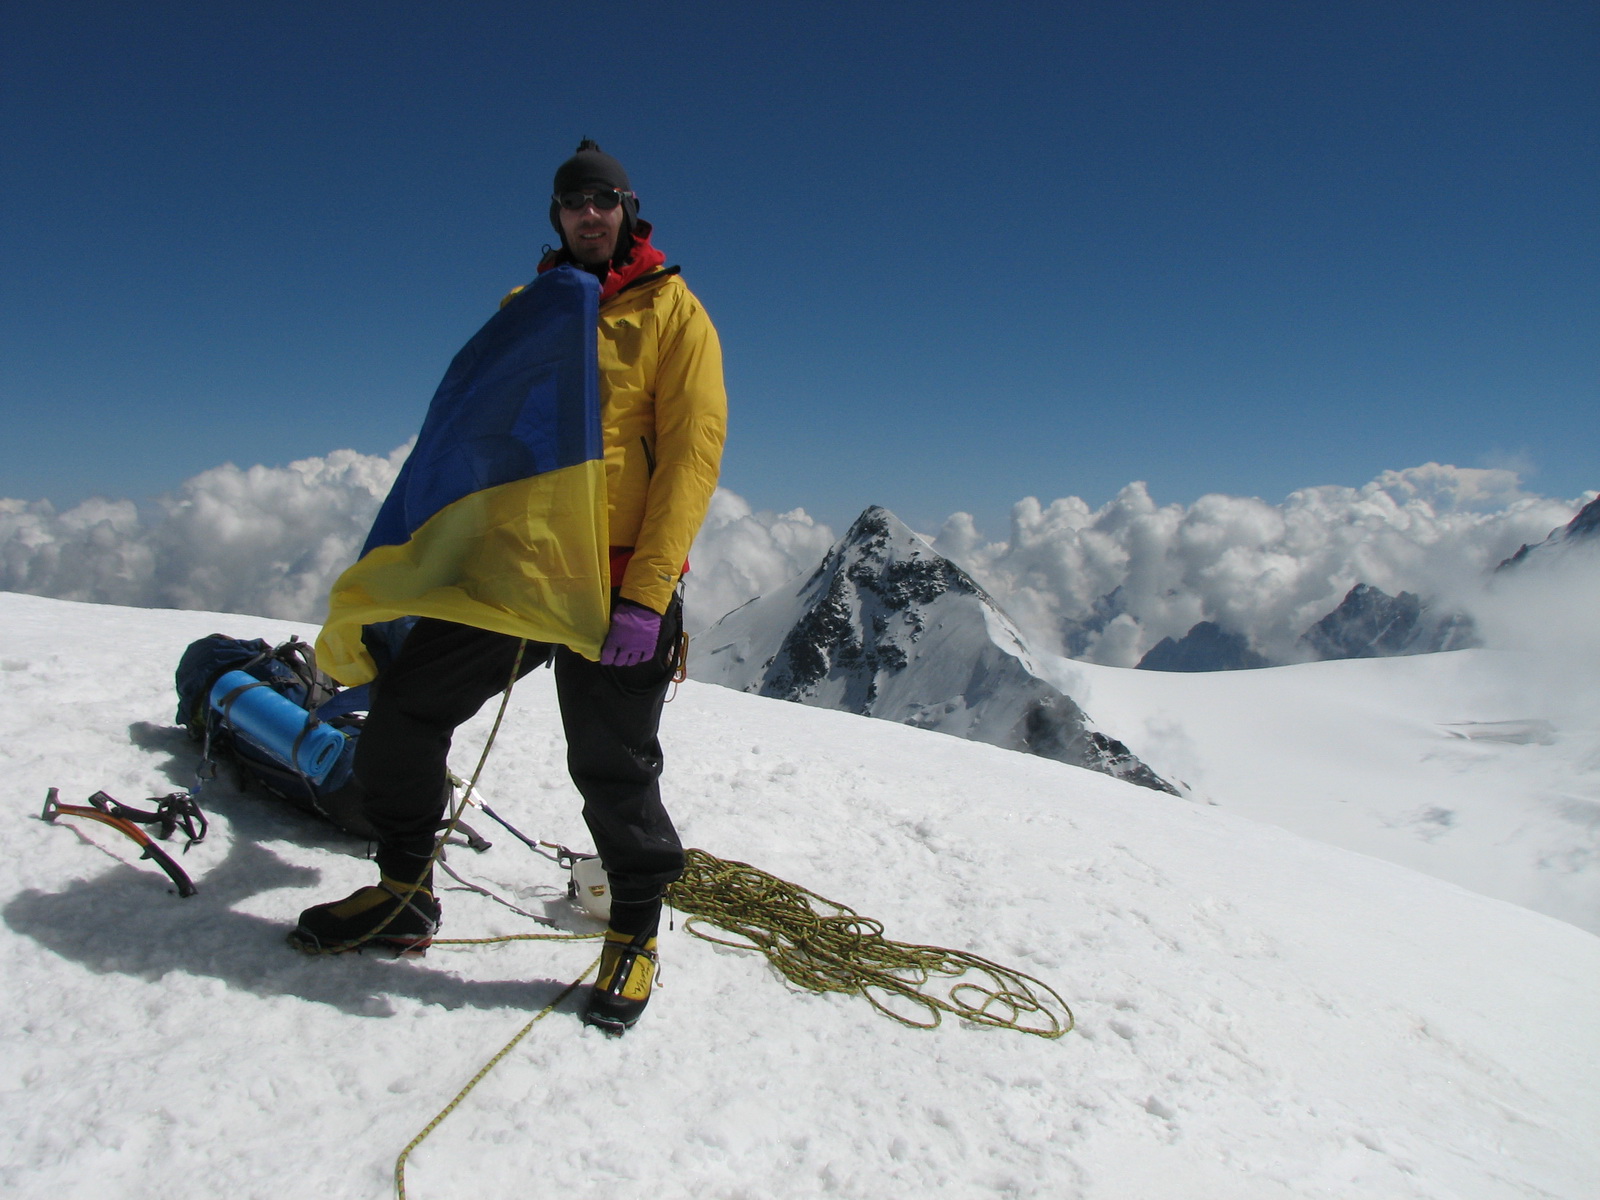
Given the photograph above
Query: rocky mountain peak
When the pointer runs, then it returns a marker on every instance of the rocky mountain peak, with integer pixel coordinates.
(868, 606)
(880, 553)
(1206, 647)
(1370, 623)
(888, 627)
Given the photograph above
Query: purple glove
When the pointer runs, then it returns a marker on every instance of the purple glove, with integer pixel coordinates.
(635, 630)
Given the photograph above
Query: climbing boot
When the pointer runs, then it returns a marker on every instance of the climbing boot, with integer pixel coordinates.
(622, 989)
(402, 916)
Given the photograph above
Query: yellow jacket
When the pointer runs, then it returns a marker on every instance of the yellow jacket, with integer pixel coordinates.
(664, 416)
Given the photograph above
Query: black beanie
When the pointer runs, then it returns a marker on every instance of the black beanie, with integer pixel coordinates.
(591, 165)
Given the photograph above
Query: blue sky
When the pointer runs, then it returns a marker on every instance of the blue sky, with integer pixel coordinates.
(958, 254)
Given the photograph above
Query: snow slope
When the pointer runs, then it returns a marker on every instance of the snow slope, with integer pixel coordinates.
(1260, 1015)
(1480, 767)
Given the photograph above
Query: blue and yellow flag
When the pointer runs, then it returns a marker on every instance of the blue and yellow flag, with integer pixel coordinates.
(498, 518)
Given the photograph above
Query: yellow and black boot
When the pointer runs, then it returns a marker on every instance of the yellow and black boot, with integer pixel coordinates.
(622, 989)
(402, 916)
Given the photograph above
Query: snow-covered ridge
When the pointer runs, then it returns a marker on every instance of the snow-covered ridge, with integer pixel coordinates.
(1259, 1016)
(1583, 530)
(887, 627)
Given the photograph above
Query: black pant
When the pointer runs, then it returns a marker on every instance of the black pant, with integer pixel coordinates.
(445, 672)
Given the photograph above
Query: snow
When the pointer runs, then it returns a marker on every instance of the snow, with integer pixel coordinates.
(1260, 1014)
(1481, 767)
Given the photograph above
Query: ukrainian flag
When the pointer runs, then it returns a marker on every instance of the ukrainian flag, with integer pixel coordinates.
(498, 518)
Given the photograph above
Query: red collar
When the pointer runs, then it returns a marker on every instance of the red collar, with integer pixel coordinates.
(644, 259)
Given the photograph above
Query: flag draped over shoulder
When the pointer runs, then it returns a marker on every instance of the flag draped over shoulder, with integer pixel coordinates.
(498, 518)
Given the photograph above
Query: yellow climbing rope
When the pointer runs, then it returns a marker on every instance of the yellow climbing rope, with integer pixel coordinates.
(824, 946)
(400, 1163)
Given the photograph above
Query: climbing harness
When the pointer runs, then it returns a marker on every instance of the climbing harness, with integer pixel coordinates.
(172, 812)
(680, 665)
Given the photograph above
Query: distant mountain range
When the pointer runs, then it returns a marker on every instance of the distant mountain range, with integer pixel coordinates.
(1368, 623)
(887, 627)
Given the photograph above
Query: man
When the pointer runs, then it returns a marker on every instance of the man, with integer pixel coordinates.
(663, 418)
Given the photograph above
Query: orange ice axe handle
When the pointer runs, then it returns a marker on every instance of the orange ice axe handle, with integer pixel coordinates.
(53, 808)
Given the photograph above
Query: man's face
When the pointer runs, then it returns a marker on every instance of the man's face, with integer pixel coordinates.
(591, 233)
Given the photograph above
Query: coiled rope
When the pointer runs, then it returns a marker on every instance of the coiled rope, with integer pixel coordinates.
(821, 945)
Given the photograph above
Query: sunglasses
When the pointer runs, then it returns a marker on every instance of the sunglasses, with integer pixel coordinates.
(605, 199)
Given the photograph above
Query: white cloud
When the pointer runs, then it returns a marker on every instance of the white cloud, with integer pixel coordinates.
(265, 540)
(1268, 571)
(740, 554)
(270, 540)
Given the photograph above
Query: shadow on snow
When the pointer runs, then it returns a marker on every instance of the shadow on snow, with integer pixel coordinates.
(124, 922)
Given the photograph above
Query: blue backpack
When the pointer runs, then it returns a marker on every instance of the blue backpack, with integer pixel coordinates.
(290, 672)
